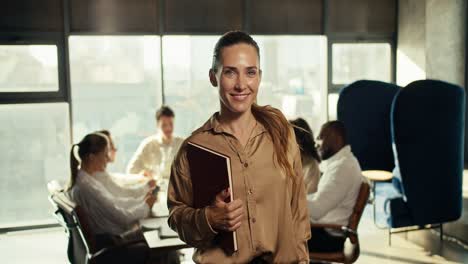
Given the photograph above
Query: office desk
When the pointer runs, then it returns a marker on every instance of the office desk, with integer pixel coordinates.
(158, 235)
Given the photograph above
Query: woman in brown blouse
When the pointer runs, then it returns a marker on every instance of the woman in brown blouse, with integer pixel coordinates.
(269, 213)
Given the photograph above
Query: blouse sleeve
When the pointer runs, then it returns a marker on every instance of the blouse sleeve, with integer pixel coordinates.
(136, 191)
(191, 224)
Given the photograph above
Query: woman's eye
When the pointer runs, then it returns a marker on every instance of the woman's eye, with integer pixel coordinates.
(229, 72)
(252, 73)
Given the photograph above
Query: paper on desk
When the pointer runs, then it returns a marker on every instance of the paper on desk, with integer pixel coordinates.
(153, 240)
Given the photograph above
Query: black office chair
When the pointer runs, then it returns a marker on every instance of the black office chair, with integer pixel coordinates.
(82, 245)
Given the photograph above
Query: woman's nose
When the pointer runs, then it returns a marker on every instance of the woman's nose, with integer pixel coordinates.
(241, 83)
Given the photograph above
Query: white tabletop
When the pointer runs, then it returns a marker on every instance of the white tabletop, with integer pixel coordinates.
(158, 227)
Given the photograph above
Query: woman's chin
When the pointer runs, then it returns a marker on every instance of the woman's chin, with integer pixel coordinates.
(240, 108)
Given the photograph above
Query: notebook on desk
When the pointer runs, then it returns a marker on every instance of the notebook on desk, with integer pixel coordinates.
(156, 242)
(210, 172)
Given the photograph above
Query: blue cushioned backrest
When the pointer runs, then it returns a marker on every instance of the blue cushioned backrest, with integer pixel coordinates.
(428, 132)
(364, 108)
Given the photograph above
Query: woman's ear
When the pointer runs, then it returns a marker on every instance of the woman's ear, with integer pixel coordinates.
(213, 80)
(91, 157)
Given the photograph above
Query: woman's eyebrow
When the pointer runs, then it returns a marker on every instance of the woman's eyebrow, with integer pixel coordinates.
(232, 68)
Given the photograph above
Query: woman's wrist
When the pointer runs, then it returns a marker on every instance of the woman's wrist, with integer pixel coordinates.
(209, 220)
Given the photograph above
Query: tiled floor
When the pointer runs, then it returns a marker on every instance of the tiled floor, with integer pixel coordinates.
(49, 247)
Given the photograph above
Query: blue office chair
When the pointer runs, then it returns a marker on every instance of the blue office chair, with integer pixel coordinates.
(427, 126)
(364, 108)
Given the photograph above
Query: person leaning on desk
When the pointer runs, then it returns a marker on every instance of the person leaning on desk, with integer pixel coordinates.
(269, 213)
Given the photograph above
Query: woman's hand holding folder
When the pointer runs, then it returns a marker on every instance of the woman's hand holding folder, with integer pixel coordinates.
(224, 216)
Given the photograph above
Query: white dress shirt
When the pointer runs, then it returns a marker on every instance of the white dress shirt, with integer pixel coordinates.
(156, 156)
(107, 213)
(337, 190)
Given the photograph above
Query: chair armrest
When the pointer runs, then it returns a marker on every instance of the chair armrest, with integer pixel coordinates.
(345, 229)
(320, 225)
(99, 253)
(116, 247)
(62, 222)
(349, 230)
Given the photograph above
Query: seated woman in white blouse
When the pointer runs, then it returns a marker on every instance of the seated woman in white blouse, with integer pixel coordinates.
(309, 155)
(124, 184)
(112, 210)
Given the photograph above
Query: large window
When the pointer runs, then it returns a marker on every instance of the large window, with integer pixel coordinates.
(356, 61)
(28, 68)
(35, 146)
(116, 85)
(294, 76)
(187, 88)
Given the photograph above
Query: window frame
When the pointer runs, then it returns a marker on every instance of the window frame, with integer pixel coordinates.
(335, 88)
(357, 39)
(39, 38)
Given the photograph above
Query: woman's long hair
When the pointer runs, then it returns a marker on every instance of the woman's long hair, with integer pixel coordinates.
(271, 118)
(278, 128)
(305, 138)
(90, 144)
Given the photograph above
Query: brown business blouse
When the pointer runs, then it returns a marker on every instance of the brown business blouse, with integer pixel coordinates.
(276, 223)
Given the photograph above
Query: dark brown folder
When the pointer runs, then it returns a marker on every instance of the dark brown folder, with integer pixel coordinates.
(210, 172)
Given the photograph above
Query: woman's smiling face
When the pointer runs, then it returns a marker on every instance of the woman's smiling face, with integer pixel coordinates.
(238, 76)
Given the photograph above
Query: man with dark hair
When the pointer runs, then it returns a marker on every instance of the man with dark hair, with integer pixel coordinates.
(164, 111)
(154, 158)
(337, 190)
(155, 153)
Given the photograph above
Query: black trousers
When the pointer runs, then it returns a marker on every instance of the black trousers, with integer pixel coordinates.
(322, 241)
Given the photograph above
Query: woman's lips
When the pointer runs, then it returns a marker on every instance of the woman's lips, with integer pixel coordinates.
(239, 97)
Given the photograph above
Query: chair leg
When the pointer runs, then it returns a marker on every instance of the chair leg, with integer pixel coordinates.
(373, 203)
(389, 237)
(441, 232)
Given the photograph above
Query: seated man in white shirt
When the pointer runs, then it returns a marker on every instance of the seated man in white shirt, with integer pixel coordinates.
(337, 190)
(155, 153)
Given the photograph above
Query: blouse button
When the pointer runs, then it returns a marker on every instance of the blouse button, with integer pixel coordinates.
(246, 164)
(254, 220)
